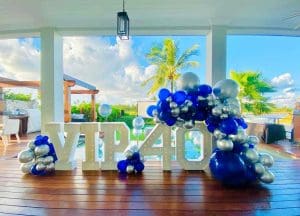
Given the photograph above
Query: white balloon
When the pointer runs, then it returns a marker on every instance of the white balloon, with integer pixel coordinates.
(130, 169)
(138, 123)
(26, 167)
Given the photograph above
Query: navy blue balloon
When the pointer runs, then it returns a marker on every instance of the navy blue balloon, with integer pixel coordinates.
(179, 97)
(241, 122)
(228, 126)
(204, 90)
(150, 110)
(170, 121)
(229, 168)
(211, 128)
(122, 166)
(163, 94)
(164, 106)
(34, 171)
(139, 167)
(200, 116)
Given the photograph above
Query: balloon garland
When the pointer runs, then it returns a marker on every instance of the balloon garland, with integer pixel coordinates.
(39, 157)
(134, 162)
(235, 161)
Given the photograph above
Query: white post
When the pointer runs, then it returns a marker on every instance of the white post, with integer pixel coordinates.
(52, 106)
(216, 55)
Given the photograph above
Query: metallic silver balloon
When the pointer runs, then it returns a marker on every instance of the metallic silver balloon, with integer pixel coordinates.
(26, 167)
(189, 124)
(31, 145)
(189, 103)
(266, 159)
(50, 167)
(267, 177)
(41, 150)
(40, 160)
(218, 134)
(138, 123)
(130, 169)
(184, 109)
(233, 137)
(224, 116)
(253, 139)
(156, 120)
(217, 111)
(200, 98)
(175, 112)
(227, 88)
(259, 169)
(234, 110)
(187, 81)
(173, 105)
(26, 156)
(48, 160)
(226, 109)
(40, 166)
(155, 112)
(251, 155)
(225, 144)
(241, 135)
(169, 99)
(179, 122)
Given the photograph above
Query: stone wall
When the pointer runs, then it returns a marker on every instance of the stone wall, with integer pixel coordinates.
(12, 105)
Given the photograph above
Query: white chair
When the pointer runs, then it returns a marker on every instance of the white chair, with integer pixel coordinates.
(9, 127)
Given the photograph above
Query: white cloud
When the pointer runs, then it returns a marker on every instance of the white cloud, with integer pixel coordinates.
(283, 80)
(285, 99)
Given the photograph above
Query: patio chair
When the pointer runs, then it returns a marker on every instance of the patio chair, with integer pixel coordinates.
(9, 127)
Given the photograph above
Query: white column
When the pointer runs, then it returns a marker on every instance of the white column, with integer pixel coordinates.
(216, 55)
(52, 106)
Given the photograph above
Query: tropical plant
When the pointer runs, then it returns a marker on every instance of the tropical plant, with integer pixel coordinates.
(169, 64)
(252, 90)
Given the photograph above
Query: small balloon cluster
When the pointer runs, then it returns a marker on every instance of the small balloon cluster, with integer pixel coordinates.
(39, 157)
(133, 163)
(235, 161)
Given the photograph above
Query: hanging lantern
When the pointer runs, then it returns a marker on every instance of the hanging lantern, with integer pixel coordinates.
(123, 24)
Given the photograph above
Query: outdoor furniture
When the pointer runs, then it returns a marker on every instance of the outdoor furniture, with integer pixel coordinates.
(23, 123)
(273, 133)
(9, 127)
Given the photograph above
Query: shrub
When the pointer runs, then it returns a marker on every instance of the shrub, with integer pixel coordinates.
(17, 96)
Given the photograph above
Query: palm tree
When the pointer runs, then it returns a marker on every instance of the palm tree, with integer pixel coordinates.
(169, 64)
(252, 88)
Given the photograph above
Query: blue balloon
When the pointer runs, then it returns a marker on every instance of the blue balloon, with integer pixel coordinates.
(122, 166)
(164, 94)
(170, 121)
(179, 97)
(229, 168)
(150, 110)
(211, 128)
(228, 126)
(241, 122)
(135, 158)
(200, 116)
(34, 171)
(204, 90)
(164, 106)
(52, 150)
(139, 167)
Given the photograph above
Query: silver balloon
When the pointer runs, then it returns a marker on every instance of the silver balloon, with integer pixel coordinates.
(41, 150)
(138, 123)
(226, 109)
(251, 155)
(169, 99)
(188, 81)
(48, 160)
(130, 169)
(175, 112)
(233, 137)
(232, 102)
(225, 144)
(26, 167)
(26, 156)
(130, 150)
(155, 112)
(226, 89)
(156, 120)
(40, 160)
(189, 124)
(241, 135)
(266, 159)
(189, 103)
(184, 109)
(234, 110)
(40, 166)
(259, 169)
(267, 177)
(179, 122)
(31, 145)
(173, 105)
(253, 139)
(50, 167)
(224, 116)
(218, 134)
(200, 98)
(217, 111)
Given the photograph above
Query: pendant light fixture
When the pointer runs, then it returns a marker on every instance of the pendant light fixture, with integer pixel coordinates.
(123, 24)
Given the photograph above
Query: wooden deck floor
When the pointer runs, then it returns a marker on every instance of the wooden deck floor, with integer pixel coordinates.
(152, 193)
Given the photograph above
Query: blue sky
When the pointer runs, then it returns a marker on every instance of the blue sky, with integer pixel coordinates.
(118, 67)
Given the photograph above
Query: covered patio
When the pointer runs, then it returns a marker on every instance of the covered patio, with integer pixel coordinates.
(154, 192)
